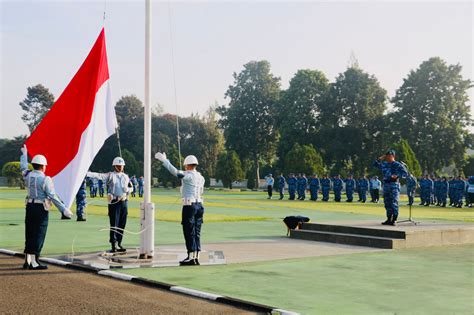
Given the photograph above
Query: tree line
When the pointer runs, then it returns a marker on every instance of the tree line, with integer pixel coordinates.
(313, 126)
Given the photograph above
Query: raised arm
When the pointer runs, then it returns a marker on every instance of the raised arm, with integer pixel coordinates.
(102, 176)
(167, 164)
(24, 160)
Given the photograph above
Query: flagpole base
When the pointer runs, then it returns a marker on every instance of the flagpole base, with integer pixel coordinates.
(147, 228)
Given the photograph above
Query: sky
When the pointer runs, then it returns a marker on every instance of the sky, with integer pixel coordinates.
(47, 41)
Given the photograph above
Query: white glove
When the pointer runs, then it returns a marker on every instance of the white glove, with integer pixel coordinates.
(160, 156)
(23, 149)
(67, 213)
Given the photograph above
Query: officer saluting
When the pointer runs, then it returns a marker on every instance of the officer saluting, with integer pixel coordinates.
(192, 214)
(40, 196)
(392, 171)
(118, 190)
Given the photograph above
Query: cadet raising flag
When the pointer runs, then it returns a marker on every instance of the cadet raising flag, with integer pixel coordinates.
(76, 127)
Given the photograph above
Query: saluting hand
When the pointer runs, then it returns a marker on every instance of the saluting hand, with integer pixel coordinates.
(381, 158)
(160, 156)
(23, 149)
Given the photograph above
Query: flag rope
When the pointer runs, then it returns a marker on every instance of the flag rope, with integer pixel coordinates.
(174, 83)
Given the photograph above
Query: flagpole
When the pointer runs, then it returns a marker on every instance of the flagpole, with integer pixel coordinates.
(147, 208)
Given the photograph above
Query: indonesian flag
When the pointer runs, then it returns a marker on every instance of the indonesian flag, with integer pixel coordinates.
(77, 125)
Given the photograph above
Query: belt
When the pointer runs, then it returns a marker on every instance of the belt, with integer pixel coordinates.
(190, 201)
(35, 200)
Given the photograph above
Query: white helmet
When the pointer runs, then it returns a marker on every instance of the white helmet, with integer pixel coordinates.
(118, 161)
(190, 159)
(39, 159)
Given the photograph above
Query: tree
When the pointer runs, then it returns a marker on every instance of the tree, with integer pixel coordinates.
(129, 108)
(131, 164)
(432, 113)
(229, 168)
(405, 154)
(37, 103)
(248, 121)
(468, 168)
(12, 172)
(10, 150)
(304, 159)
(299, 110)
(352, 117)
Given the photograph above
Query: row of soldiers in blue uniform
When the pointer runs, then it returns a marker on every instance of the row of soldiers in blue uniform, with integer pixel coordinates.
(436, 191)
(298, 185)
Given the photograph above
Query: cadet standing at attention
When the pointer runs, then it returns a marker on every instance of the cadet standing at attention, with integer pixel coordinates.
(392, 171)
(141, 182)
(81, 201)
(100, 182)
(443, 192)
(270, 182)
(314, 187)
(193, 211)
(451, 191)
(292, 183)
(337, 184)
(41, 195)
(363, 187)
(411, 189)
(325, 187)
(298, 186)
(118, 192)
(281, 186)
(350, 185)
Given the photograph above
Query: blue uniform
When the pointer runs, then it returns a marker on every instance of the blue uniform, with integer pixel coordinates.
(292, 183)
(459, 188)
(314, 188)
(363, 187)
(391, 187)
(426, 190)
(140, 182)
(411, 189)
(325, 188)
(350, 185)
(451, 191)
(303, 183)
(134, 182)
(443, 192)
(281, 186)
(81, 200)
(436, 191)
(100, 183)
(337, 187)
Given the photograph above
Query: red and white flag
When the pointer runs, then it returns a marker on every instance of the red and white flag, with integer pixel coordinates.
(77, 125)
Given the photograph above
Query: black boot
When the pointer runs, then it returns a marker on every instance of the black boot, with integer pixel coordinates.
(63, 217)
(388, 221)
(120, 248)
(80, 218)
(114, 247)
(38, 266)
(188, 261)
(394, 220)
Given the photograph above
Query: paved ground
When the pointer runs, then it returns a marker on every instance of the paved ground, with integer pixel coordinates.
(63, 291)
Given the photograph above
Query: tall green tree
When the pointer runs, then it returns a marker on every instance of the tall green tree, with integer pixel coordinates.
(129, 108)
(299, 110)
(229, 168)
(405, 154)
(248, 121)
(37, 103)
(304, 159)
(352, 117)
(433, 114)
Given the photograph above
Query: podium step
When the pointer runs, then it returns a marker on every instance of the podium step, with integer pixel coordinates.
(347, 229)
(348, 239)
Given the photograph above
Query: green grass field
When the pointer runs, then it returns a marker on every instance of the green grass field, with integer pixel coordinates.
(431, 280)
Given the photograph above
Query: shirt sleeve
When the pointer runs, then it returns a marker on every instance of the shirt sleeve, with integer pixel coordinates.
(24, 164)
(102, 176)
(173, 170)
(51, 194)
(402, 171)
(377, 163)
